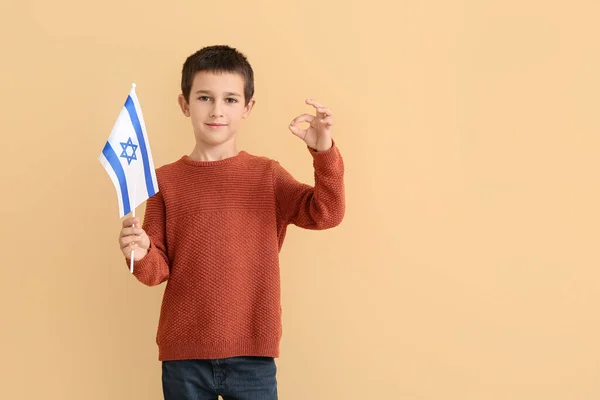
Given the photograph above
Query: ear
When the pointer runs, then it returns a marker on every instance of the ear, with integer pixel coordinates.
(185, 107)
(248, 108)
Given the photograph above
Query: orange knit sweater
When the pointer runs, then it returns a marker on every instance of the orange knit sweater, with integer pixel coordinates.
(216, 229)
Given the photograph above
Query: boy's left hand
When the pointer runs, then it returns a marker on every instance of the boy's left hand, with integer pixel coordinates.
(318, 134)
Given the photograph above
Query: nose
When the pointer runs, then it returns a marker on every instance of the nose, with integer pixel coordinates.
(216, 111)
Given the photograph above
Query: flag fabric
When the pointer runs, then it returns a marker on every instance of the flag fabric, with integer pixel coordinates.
(127, 158)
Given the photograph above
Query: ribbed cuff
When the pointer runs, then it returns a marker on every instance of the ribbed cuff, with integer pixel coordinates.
(143, 263)
(328, 157)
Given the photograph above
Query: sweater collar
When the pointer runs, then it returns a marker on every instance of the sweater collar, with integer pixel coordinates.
(239, 157)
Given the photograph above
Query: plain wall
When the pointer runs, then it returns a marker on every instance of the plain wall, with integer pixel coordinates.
(467, 266)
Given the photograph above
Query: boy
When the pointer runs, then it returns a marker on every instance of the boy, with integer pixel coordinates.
(214, 231)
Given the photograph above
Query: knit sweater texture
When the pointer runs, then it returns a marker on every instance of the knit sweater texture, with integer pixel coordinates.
(216, 229)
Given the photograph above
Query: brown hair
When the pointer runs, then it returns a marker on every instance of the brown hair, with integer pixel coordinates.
(219, 58)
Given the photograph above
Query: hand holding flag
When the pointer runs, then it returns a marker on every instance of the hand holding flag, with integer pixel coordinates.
(133, 238)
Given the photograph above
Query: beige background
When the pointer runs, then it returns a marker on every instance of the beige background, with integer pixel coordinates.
(467, 266)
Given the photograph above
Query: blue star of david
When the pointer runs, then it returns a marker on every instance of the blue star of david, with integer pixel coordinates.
(133, 149)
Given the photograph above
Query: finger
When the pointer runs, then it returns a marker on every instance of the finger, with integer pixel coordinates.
(128, 249)
(327, 121)
(302, 118)
(128, 240)
(325, 111)
(130, 222)
(130, 246)
(313, 103)
(131, 231)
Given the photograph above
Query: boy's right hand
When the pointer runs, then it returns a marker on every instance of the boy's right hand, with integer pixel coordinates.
(133, 237)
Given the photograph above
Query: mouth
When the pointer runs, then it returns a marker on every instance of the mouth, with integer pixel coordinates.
(216, 126)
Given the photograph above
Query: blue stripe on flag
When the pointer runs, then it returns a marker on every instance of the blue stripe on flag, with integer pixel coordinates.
(114, 162)
(130, 106)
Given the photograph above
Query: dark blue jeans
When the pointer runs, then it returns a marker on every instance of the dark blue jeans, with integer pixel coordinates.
(235, 378)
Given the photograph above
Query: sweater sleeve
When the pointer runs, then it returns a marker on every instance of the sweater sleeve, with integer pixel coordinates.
(319, 207)
(153, 269)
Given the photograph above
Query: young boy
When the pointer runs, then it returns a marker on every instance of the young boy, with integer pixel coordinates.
(214, 231)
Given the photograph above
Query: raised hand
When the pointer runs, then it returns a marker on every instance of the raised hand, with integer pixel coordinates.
(318, 134)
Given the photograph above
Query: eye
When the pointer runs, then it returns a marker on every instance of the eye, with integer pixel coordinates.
(204, 98)
(231, 100)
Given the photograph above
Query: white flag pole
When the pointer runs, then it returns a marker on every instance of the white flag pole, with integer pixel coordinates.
(132, 251)
(133, 215)
(132, 211)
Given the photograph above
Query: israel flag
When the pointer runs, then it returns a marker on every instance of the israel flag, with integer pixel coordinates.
(127, 159)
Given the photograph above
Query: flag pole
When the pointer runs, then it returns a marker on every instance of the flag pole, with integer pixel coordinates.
(133, 211)
(133, 216)
(132, 251)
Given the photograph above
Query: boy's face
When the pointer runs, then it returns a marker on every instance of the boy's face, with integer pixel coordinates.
(216, 107)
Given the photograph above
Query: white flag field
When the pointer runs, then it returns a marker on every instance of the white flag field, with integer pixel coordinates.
(127, 159)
